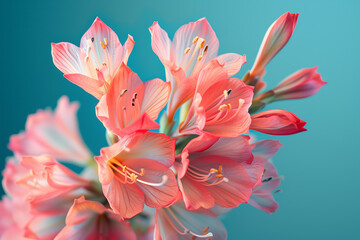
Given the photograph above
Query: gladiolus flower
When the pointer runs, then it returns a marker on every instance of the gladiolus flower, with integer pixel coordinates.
(220, 105)
(131, 105)
(217, 171)
(54, 133)
(194, 45)
(302, 84)
(135, 170)
(274, 40)
(175, 222)
(93, 65)
(277, 122)
(262, 195)
(90, 220)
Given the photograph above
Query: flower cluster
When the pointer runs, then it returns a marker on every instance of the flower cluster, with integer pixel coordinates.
(148, 185)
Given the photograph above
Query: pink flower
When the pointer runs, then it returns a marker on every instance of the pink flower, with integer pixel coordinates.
(93, 65)
(55, 133)
(220, 104)
(47, 178)
(14, 216)
(175, 223)
(194, 44)
(131, 105)
(11, 174)
(90, 220)
(262, 196)
(217, 171)
(135, 170)
(304, 83)
(274, 40)
(277, 122)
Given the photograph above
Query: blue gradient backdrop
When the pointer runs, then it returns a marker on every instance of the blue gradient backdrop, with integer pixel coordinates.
(321, 166)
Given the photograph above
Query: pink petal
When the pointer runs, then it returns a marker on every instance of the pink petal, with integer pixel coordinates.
(232, 62)
(303, 83)
(160, 42)
(277, 122)
(184, 36)
(67, 57)
(274, 40)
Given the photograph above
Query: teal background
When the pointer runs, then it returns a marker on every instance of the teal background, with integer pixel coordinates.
(320, 198)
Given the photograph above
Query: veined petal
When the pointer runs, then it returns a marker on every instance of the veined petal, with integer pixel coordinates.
(155, 96)
(160, 42)
(232, 62)
(186, 34)
(67, 57)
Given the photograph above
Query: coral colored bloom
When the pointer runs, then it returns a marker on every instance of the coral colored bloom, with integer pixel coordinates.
(217, 171)
(194, 45)
(14, 216)
(90, 220)
(131, 105)
(303, 83)
(175, 223)
(135, 170)
(220, 105)
(11, 174)
(54, 133)
(277, 122)
(262, 196)
(274, 40)
(93, 65)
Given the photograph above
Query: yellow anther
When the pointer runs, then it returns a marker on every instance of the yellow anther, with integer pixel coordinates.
(123, 168)
(142, 172)
(102, 44)
(206, 229)
(223, 106)
(187, 50)
(220, 169)
(218, 175)
(195, 39)
(199, 58)
(133, 177)
(202, 44)
(213, 170)
(106, 41)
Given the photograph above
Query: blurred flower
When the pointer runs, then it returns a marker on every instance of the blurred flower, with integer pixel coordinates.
(262, 195)
(54, 133)
(175, 222)
(90, 220)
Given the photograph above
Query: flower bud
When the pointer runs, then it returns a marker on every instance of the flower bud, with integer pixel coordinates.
(274, 40)
(277, 122)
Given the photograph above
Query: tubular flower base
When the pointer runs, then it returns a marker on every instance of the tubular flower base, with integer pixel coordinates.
(167, 185)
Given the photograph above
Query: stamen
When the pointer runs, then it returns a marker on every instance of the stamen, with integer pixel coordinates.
(187, 50)
(277, 191)
(206, 48)
(102, 45)
(206, 229)
(163, 181)
(123, 92)
(223, 106)
(200, 57)
(195, 39)
(202, 44)
(226, 95)
(106, 41)
(92, 39)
